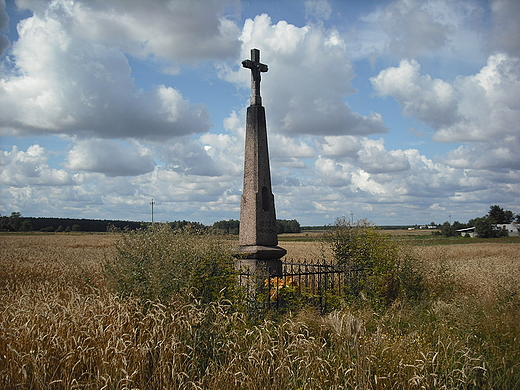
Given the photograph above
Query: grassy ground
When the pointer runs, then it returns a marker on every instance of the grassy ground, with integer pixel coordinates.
(61, 327)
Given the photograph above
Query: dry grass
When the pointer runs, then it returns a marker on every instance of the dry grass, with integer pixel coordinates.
(61, 327)
(484, 269)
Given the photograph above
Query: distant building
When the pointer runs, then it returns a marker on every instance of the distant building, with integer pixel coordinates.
(512, 229)
(467, 232)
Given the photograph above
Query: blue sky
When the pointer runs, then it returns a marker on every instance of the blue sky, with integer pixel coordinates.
(402, 112)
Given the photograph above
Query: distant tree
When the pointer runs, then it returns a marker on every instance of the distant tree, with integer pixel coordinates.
(75, 227)
(67, 229)
(498, 215)
(231, 226)
(457, 226)
(487, 228)
(15, 221)
(483, 227)
(4, 222)
(288, 226)
(448, 230)
(26, 226)
(193, 226)
(60, 229)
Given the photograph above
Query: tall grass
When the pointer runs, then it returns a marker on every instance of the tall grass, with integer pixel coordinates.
(160, 261)
(63, 327)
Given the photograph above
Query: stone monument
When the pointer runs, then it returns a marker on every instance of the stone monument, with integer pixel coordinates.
(258, 241)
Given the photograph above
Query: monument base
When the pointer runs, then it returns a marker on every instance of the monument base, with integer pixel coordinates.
(260, 259)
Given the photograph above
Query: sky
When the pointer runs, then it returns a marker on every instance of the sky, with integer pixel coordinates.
(399, 112)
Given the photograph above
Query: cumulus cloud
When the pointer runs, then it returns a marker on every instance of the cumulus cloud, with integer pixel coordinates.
(190, 157)
(110, 158)
(431, 100)
(319, 9)
(309, 74)
(473, 109)
(411, 29)
(374, 158)
(21, 168)
(489, 102)
(66, 85)
(178, 31)
(506, 26)
(367, 154)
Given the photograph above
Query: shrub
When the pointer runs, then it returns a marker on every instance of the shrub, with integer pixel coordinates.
(387, 273)
(157, 262)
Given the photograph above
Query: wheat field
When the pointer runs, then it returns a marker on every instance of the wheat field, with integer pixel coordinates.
(62, 327)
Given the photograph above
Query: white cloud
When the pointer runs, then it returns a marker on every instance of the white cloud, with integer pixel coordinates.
(110, 158)
(506, 26)
(346, 145)
(489, 103)
(374, 158)
(309, 74)
(31, 167)
(481, 109)
(178, 31)
(190, 157)
(64, 84)
(407, 29)
(319, 9)
(412, 28)
(433, 101)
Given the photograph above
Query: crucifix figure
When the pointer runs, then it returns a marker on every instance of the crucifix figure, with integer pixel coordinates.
(256, 69)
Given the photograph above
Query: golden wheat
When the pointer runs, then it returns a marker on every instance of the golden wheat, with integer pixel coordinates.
(61, 327)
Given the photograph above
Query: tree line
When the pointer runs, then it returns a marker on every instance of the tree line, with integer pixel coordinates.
(232, 226)
(16, 223)
(487, 226)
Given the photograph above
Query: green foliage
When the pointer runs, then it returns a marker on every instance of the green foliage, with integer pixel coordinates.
(232, 226)
(195, 227)
(486, 228)
(497, 215)
(158, 262)
(14, 223)
(287, 226)
(387, 273)
(227, 227)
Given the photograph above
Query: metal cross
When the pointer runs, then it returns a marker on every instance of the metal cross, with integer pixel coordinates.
(256, 68)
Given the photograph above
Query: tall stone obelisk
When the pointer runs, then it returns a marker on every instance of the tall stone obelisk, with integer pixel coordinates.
(258, 240)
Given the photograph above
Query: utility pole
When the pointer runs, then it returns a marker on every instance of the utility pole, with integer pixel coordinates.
(352, 217)
(152, 203)
(449, 216)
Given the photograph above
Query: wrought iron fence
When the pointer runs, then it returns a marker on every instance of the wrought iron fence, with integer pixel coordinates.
(320, 284)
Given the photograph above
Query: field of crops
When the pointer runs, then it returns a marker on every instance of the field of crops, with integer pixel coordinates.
(62, 327)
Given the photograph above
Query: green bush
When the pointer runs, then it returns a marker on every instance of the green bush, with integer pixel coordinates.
(386, 273)
(158, 262)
